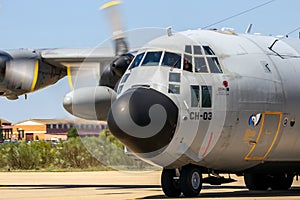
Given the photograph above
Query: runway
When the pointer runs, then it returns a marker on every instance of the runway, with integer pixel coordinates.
(115, 185)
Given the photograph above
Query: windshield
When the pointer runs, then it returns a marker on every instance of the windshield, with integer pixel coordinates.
(172, 60)
(137, 60)
(201, 59)
(152, 58)
(157, 58)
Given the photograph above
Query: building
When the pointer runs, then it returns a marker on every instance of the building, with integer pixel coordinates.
(6, 129)
(53, 129)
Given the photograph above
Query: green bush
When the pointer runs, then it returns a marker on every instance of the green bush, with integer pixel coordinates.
(22, 156)
(77, 152)
(73, 154)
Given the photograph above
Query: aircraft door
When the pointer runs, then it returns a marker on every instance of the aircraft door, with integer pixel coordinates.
(266, 138)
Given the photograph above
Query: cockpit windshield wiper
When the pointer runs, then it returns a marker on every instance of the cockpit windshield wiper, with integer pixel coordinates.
(173, 66)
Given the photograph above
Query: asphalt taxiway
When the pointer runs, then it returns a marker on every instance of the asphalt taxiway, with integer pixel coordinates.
(116, 185)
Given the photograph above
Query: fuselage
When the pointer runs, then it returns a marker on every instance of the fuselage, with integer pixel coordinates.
(237, 101)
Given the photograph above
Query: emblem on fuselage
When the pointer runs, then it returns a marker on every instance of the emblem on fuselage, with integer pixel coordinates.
(254, 119)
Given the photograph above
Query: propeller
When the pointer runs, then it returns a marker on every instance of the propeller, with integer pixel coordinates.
(94, 102)
(117, 68)
(113, 11)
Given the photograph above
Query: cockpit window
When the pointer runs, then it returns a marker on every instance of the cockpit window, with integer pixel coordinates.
(208, 50)
(152, 58)
(187, 63)
(197, 50)
(137, 60)
(200, 65)
(214, 65)
(196, 58)
(172, 60)
(188, 49)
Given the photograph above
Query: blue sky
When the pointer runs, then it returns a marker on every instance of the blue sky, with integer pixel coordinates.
(79, 24)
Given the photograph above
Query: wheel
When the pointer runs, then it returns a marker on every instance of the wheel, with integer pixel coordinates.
(190, 181)
(257, 181)
(170, 186)
(282, 182)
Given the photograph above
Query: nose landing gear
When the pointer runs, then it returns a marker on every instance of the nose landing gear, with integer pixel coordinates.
(170, 183)
(188, 181)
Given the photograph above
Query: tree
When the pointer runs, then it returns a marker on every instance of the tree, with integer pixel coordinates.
(72, 133)
(1, 136)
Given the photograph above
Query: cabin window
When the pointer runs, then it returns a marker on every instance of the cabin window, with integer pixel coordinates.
(152, 58)
(137, 60)
(172, 60)
(174, 77)
(206, 96)
(174, 89)
(195, 95)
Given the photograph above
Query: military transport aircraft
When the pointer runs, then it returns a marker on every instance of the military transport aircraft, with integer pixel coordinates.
(198, 102)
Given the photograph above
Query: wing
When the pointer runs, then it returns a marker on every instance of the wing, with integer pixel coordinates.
(74, 57)
(90, 61)
(25, 70)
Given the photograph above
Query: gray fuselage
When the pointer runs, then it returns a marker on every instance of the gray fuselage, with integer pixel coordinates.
(238, 104)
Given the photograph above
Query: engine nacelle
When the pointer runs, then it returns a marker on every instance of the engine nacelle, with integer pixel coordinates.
(113, 73)
(91, 103)
(23, 71)
(120, 65)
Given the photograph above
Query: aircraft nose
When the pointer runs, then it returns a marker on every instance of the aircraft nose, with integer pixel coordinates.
(143, 119)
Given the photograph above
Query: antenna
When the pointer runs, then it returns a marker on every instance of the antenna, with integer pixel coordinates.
(169, 31)
(248, 30)
(238, 14)
(296, 29)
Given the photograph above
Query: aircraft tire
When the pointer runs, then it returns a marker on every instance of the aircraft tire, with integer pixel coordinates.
(282, 182)
(190, 181)
(257, 181)
(170, 186)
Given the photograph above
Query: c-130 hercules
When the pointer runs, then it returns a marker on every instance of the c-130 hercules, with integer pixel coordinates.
(194, 102)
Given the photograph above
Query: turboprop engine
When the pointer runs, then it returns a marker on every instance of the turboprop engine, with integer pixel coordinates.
(23, 71)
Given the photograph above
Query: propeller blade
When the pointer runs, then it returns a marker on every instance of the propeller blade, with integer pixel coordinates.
(114, 15)
(70, 81)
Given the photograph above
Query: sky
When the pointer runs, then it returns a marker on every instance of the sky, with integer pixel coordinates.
(80, 24)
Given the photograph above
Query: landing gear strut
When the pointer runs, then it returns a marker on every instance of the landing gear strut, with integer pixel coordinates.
(189, 181)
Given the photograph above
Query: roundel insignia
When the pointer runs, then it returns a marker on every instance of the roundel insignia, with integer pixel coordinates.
(254, 119)
(285, 121)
